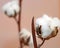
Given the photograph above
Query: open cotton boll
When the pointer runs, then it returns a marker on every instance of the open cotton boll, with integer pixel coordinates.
(25, 35)
(11, 8)
(8, 10)
(45, 29)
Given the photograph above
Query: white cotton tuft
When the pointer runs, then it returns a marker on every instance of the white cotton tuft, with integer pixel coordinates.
(25, 34)
(10, 12)
(6, 6)
(40, 21)
(48, 25)
(7, 9)
(11, 8)
(15, 6)
(55, 23)
(47, 18)
(45, 29)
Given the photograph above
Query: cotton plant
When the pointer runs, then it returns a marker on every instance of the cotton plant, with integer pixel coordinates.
(47, 27)
(11, 8)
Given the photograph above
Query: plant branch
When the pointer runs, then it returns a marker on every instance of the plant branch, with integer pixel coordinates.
(41, 43)
(19, 18)
(19, 21)
(33, 34)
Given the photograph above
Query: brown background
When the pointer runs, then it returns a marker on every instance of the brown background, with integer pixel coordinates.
(8, 27)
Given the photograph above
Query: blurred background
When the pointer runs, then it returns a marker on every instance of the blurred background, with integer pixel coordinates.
(8, 27)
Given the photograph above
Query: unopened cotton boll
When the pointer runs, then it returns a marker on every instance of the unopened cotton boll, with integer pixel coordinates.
(25, 36)
(11, 8)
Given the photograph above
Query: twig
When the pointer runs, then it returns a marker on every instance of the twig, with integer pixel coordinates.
(41, 43)
(15, 20)
(19, 21)
(33, 34)
(19, 18)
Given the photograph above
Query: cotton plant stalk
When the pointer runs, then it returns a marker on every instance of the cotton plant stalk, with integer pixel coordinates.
(19, 20)
(33, 34)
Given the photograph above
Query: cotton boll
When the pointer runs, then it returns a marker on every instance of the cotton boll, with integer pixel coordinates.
(11, 8)
(25, 35)
(8, 9)
(45, 29)
(49, 26)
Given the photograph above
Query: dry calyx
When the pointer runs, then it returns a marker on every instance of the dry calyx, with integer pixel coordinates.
(47, 27)
(11, 8)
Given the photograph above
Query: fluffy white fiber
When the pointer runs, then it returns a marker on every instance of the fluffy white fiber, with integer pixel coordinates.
(55, 23)
(11, 8)
(25, 34)
(46, 31)
(47, 24)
